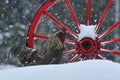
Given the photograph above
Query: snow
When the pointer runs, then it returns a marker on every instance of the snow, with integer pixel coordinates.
(2, 67)
(7, 34)
(11, 26)
(84, 70)
(6, 1)
(87, 31)
(1, 37)
(2, 15)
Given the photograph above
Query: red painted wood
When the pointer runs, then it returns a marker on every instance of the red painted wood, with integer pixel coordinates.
(111, 51)
(111, 41)
(69, 42)
(101, 56)
(41, 36)
(73, 58)
(73, 14)
(35, 21)
(70, 51)
(104, 14)
(61, 25)
(88, 11)
(111, 28)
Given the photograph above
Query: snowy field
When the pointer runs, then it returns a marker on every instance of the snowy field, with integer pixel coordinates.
(84, 70)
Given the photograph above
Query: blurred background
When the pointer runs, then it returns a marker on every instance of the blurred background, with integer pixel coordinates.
(16, 17)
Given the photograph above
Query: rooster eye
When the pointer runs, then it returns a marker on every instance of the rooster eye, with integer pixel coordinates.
(61, 33)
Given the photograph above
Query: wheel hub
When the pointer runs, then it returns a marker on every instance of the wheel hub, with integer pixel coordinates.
(87, 46)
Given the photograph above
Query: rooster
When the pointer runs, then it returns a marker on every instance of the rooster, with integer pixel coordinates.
(51, 53)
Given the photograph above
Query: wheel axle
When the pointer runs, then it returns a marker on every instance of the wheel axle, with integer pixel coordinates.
(87, 46)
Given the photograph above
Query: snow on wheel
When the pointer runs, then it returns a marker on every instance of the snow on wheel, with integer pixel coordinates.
(86, 40)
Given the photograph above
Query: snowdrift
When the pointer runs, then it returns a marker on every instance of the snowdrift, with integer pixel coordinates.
(84, 70)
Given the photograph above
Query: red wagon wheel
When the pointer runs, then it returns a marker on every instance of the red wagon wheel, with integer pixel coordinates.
(85, 48)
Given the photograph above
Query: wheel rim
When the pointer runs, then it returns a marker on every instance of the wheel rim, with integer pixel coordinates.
(87, 47)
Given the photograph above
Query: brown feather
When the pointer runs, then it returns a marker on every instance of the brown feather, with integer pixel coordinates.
(51, 53)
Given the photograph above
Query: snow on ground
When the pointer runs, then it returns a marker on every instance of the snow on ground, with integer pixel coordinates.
(2, 67)
(84, 70)
(87, 31)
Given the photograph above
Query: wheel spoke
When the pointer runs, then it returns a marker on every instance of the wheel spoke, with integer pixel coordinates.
(88, 11)
(41, 36)
(111, 28)
(69, 42)
(35, 21)
(111, 51)
(104, 15)
(101, 56)
(61, 25)
(82, 57)
(70, 51)
(73, 14)
(94, 56)
(111, 41)
(73, 58)
(46, 38)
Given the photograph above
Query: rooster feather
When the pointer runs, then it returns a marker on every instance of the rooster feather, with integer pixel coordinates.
(51, 53)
